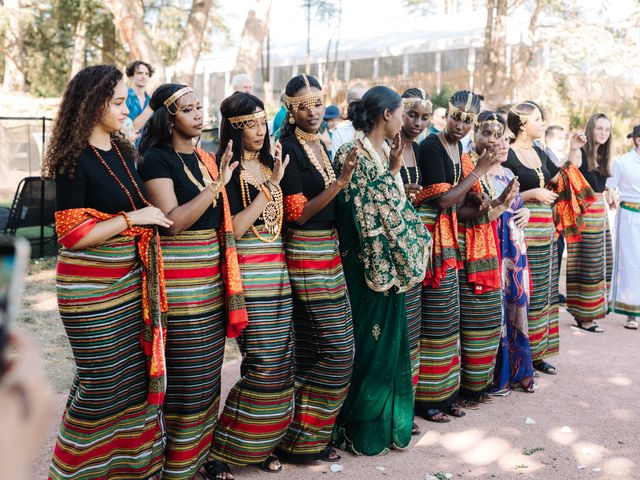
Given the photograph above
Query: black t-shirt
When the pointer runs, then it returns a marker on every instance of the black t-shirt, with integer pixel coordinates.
(302, 177)
(93, 187)
(528, 177)
(436, 166)
(597, 181)
(234, 192)
(412, 170)
(164, 162)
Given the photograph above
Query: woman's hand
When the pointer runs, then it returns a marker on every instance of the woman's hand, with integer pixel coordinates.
(611, 197)
(521, 217)
(487, 159)
(278, 165)
(412, 190)
(149, 216)
(395, 156)
(509, 194)
(226, 169)
(545, 196)
(348, 167)
(578, 140)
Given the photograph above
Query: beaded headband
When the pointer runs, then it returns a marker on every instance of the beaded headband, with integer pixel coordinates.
(493, 124)
(176, 95)
(307, 100)
(524, 117)
(410, 102)
(467, 117)
(249, 121)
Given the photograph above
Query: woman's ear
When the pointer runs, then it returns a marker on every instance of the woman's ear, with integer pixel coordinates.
(386, 114)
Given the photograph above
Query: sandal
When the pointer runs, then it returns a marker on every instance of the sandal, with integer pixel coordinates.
(545, 367)
(631, 323)
(218, 470)
(468, 404)
(594, 328)
(521, 387)
(415, 429)
(435, 415)
(455, 411)
(329, 455)
(485, 398)
(271, 464)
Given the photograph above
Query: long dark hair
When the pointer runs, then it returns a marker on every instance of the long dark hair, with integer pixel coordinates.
(157, 131)
(293, 86)
(240, 103)
(598, 156)
(364, 113)
(84, 102)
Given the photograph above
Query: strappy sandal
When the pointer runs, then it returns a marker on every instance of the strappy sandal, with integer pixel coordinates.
(435, 415)
(521, 387)
(415, 429)
(468, 404)
(218, 470)
(485, 398)
(545, 367)
(329, 455)
(594, 328)
(455, 411)
(268, 464)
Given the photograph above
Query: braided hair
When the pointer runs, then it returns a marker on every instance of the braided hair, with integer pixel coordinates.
(461, 98)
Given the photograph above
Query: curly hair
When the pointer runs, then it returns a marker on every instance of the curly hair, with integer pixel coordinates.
(84, 102)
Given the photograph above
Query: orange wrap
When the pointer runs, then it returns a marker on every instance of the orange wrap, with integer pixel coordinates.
(575, 195)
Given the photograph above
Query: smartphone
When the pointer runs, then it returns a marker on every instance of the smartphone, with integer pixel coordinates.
(14, 259)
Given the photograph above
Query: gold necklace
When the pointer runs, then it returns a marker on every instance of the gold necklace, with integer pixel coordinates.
(529, 164)
(273, 212)
(407, 171)
(485, 181)
(246, 155)
(457, 167)
(325, 169)
(206, 177)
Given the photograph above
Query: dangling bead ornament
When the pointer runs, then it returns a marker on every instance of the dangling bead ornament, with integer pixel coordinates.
(325, 168)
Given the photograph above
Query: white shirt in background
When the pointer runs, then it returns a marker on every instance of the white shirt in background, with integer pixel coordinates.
(625, 176)
(342, 134)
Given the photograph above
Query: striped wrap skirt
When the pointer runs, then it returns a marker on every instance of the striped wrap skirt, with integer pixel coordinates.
(259, 407)
(108, 430)
(589, 266)
(544, 333)
(195, 348)
(624, 293)
(413, 302)
(480, 330)
(323, 333)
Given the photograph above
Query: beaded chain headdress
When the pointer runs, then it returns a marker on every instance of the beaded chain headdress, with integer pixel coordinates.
(524, 117)
(493, 124)
(307, 100)
(249, 121)
(172, 102)
(411, 101)
(464, 115)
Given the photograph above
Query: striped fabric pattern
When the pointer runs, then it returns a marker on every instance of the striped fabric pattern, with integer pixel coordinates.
(259, 407)
(589, 266)
(543, 307)
(195, 348)
(480, 329)
(439, 378)
(413, 304)
(108, 430)
(323, 333)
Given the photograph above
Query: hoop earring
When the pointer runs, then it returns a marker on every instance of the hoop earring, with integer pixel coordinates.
(292, 120)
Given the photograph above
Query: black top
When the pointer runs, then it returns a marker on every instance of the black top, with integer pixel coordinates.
(93, 187)
(597, 181)
(436, 166)
(165, 163)
(528, 177)
(302, 177)
(412, 170)
(234, 192)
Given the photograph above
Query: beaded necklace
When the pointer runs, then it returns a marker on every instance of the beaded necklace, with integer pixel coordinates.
(525, 153)
(325, 169)
(485, 181)
(115, 177)
(457, 166)
(206, 177)
(273, 212)
(408, 172)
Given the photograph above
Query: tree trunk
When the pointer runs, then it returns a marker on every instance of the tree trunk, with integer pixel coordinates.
(495, 50)
(14, 78)
(108, 52)
(79, 45)
(254, 33)
(127, 16)
(191, 41)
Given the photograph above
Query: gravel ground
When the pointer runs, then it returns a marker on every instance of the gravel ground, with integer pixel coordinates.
(586, 417)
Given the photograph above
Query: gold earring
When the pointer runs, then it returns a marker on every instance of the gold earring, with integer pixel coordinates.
(291, 120)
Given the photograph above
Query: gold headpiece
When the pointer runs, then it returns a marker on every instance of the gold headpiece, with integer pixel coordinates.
(249, 121)
(175, 96)
(411, 101)
(469, 100)
(494, 125)
(307, 100)
(464, 115)
(524, 117)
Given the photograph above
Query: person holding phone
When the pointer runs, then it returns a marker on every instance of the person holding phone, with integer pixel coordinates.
(110, 287)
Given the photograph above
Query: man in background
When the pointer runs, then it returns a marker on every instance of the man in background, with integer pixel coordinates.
(345, 132)
(139, 73)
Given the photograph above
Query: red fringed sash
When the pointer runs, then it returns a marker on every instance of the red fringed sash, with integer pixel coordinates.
(481, 242)
(72, 225)
(575, 195)
(237, 318)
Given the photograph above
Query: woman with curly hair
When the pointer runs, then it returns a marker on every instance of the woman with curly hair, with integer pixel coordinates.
(204, 287)
(110, 288)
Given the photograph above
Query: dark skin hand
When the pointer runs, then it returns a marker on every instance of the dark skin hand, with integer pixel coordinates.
(471, 212)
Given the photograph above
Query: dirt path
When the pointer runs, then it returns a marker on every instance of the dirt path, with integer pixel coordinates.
(586, 416)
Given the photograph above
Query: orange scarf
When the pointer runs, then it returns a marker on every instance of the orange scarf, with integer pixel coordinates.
(575, 195)
(237, 318)
(72, 225)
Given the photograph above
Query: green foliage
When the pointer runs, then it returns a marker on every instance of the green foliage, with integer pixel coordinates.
(441, 99)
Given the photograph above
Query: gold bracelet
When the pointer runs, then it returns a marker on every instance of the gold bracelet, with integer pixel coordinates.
(126, 219)
(216, 188)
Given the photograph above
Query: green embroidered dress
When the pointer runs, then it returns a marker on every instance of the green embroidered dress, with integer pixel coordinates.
(385, 250)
